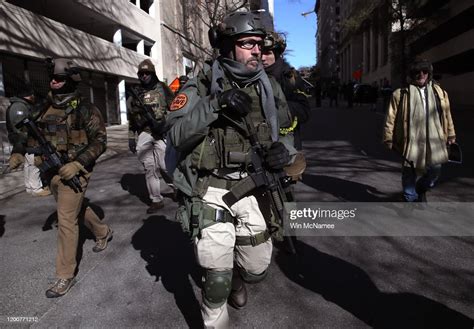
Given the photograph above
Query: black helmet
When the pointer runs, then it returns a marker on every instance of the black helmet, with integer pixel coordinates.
(236, 24)
(65, 67)
(276, 42)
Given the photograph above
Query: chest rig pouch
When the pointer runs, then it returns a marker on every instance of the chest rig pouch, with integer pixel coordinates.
(65, 130)
(227, 146)
(156, 101)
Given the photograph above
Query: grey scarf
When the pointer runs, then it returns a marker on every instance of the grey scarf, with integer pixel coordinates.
(240, 74)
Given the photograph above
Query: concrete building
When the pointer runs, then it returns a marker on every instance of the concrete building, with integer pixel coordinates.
(106, 38)
(449, 46)
(364, 50)
(328, 38)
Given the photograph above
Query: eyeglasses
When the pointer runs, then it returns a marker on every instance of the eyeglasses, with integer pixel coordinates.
(250, 44)
(142, 73)
(58, 78)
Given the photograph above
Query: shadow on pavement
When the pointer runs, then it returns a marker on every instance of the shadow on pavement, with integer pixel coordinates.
(349, 287)
(50, 221)
(346, 190)
(169, 256)
(135, 184)
(2, 225)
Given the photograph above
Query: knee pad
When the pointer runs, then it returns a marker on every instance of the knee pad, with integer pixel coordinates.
(216, 288)
(251, 277)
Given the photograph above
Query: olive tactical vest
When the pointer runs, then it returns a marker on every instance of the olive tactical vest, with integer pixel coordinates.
(226, 146)
(66, 132)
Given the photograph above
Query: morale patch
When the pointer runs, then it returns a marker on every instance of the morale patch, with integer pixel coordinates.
(178, 102)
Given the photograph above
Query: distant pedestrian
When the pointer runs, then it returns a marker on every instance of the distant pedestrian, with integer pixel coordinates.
(418, 126)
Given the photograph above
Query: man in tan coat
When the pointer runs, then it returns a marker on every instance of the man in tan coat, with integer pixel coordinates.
(418, 126)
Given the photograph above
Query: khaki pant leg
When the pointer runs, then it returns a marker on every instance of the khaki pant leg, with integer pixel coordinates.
(94, 224)
(146, 153)
(250, 221)
(68, 207)
(215, 318)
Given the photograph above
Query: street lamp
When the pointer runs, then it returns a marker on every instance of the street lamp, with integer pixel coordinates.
(307, 13)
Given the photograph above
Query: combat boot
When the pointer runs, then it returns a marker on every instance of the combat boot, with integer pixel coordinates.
(154, 207)
(101, 244)
(238, 294)
(44, 192)
(59, 288)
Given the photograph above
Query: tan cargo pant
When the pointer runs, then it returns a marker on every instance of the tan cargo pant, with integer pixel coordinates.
(69, 205)
(216, 248)
(151, 153)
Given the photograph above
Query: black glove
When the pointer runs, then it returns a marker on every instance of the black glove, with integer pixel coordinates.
(236, 102)
(277, 156)
(132, 145)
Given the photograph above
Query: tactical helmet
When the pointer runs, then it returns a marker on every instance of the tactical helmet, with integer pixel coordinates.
(236, 24)
(146, 66)
(421, 64)
(276, 42)
(65, 67)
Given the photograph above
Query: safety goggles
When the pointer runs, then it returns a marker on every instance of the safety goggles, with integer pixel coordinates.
(250, 44)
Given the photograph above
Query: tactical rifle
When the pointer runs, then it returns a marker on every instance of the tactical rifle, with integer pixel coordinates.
(155, 125)
(52, 159)
(275, 183)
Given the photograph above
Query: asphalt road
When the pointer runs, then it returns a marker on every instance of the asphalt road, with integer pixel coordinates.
(147, 277)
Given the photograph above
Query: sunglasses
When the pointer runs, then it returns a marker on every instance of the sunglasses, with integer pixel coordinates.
(59, 78)
(250, 44)
(143, 73)
(418, 71)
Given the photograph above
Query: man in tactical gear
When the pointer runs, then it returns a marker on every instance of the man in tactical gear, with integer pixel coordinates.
(77, 132)
(419, 127)
(22, 106)
(146, 118)
(289, 79)
(232, 242)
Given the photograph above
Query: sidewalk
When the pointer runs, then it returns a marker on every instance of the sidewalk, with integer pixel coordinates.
(117, 136)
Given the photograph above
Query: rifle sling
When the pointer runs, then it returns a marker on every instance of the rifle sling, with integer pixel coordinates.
(237, 191)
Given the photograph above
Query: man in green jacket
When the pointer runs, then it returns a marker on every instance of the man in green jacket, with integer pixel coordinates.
(232, 242)
(418, 126)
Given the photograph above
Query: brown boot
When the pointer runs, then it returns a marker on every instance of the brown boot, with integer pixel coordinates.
(59, 288)
(238, 294)
(154, 207)
(101, 244)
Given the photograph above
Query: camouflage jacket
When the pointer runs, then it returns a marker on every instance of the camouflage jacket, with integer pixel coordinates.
(158, 99)
(77, 129)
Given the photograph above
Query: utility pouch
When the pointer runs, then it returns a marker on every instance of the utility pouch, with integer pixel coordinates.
(182, 216)
(235, 143)
(204, 156)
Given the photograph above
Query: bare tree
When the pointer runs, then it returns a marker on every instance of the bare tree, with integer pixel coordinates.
(208, 13)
